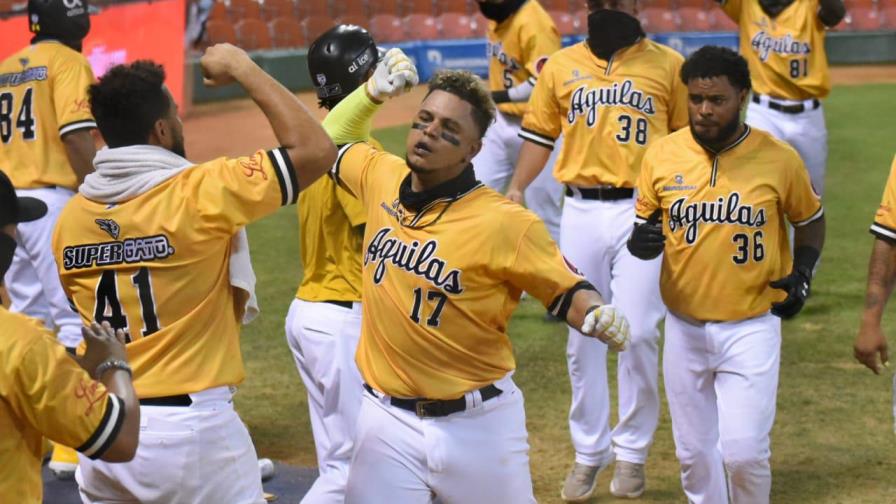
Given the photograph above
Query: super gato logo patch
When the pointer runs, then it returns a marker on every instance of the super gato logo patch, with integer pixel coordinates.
(131, 250)
(724, 210)
(416, 258)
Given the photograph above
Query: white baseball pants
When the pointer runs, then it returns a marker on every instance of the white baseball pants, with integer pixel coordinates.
(323, 338)
(495, 163)
(721, 382)
(33, 278)
(476, 456)
(593, 237)
(195, 454)
(806, 132)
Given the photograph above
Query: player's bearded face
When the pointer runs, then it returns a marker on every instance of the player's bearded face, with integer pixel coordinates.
(714, 107)
(175, 129)
(443, 136)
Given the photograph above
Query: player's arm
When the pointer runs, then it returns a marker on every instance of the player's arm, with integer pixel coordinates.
(870, 342)
(80, 149)
(540, 129)
(100, 419)
(539, 269)
(306, 144)
(803, 208)
(831, 12)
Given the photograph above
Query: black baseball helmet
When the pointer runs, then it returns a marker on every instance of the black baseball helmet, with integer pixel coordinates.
(339, 61)
(65, 20)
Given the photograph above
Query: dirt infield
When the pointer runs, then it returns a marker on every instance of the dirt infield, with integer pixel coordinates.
(237, 127)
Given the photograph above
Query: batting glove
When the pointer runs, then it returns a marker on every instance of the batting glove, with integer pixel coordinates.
(796, 285)
(647, 240)
(607, 324)
(394, 75)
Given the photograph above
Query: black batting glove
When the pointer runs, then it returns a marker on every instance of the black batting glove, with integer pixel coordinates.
(647, 240)
(796, 285)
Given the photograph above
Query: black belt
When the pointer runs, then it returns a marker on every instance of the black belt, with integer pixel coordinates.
(345, 304)
(436, 408)
(796, 108)
(174, 400)
(602, 193)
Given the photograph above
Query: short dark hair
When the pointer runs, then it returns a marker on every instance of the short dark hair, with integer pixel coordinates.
(128, 100)
(469, 88)
(715, 61)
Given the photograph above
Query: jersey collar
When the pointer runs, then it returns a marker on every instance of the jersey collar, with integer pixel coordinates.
(449, 190)
(730, 146)
(607, 65)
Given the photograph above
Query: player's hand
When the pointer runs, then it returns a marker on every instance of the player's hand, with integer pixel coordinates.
(647, 240)
(103, 344)
(796, 285)
(394, 75)
(514, 195)
(220, 63)
(607, 324)
(871, 342)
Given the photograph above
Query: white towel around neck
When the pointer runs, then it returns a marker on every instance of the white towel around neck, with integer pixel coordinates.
(124, 173)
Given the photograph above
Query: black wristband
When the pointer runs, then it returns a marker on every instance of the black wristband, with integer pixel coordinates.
(500, 96)
(804, 259)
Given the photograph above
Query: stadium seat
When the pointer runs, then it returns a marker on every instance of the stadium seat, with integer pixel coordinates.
(286, 32)
(889, 17)
(418, 7)
(863, 19)
(273, 9)
(455, 25)
(244, 9)
(721, 21)
(694, 19)
(853, 4)
(581, 16)
(566, 23)
(380, 7)
(656, 20)
(351, 8)
(314, 26)
(457, 6)
(386, 28)
(313, 8)
(698, 4)
(420, 27)
(252, 34)
(355, 19)
(219, 11)
(479, 24)
(885, 4)
(560, 5)
(657, 4)
(218, 31)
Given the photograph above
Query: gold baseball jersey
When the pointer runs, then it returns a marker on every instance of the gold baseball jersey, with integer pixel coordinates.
(440, 284)
(158, 266)
(723, 218)
(786, 53)
(517, 50)
(607, 111)
(43, 96)
(45, 393)
(330, 237)
(884, 225)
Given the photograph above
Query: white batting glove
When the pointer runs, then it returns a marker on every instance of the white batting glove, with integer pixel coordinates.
(395, 74)
(607, 324)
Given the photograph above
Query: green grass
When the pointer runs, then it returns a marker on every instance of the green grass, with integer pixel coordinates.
(833, 440)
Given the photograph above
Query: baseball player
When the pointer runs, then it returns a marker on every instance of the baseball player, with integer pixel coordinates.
(46, 149)
(716, 198)
(521, 36)
(445, 261)
(610, 96)
(324, 321)
(45, 392)
(783, 41)
(871, 345)
(151, 245)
